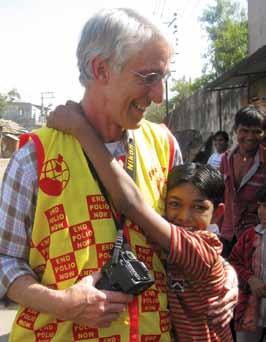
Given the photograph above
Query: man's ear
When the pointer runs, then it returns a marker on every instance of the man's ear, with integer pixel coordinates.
(218, 213)
(100, 69)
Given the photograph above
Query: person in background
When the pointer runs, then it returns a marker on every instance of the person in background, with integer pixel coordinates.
(194, 198)
(220, 143)
(244, 171)
(249, 259)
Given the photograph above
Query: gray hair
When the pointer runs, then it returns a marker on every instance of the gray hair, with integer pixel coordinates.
(113, 34)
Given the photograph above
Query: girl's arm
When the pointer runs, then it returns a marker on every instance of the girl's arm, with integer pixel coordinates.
(124, 193)
(126, 196)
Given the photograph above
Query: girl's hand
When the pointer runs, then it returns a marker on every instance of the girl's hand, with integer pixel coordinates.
(68, 118)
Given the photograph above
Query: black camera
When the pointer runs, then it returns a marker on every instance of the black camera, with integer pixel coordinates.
(127, 274)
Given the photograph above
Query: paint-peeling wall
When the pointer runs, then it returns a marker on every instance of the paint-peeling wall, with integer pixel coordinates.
(204, 113)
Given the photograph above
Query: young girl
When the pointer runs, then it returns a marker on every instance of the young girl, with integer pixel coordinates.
(195, 268)
(249, 259)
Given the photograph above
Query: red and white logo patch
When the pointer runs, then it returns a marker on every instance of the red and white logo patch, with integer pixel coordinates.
(65, 267)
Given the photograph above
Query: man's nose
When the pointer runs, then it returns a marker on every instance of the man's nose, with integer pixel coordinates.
(156, 92)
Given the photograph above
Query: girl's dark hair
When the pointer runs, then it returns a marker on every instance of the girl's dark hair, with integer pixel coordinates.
(249, 116)
(222, 134)
(205, 178)
(261, 194)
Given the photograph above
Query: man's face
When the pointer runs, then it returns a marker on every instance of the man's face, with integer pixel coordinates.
(127, 94)
(220, 144)
(262, 213)
(249, 137)
(187, 207)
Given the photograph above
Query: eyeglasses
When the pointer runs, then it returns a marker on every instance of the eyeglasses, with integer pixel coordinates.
(152, 78)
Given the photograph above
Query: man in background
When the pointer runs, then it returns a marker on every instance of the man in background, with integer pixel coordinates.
(220, 143)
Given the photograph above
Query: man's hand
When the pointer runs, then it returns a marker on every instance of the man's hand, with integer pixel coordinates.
(83, 304)
(256, 286)
(67, 118)
(221, 311)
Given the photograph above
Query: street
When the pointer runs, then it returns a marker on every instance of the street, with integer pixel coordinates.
(7, 316)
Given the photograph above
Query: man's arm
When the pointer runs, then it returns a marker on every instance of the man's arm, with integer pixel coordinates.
(17, 202)
(82, 303)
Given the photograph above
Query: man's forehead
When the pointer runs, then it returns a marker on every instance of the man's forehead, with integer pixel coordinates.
(249, 126)
(152, 57)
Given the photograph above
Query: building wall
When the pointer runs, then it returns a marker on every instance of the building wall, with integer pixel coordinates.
(24, 113)
(256, 24)
(201, 115)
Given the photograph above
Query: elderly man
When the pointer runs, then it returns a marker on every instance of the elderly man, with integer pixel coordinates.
(50, 245)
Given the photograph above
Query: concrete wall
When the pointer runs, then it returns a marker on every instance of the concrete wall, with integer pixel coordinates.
(24, 113)
(256, 24)
(201, 115)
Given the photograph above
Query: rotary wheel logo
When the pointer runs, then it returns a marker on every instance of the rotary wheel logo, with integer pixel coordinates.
(54, 176)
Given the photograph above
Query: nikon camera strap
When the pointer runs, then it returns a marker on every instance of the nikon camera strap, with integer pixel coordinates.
(130, 167)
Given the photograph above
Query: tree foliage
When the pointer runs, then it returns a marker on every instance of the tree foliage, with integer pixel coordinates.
(226, 26)
(8, 97)
(156, 112)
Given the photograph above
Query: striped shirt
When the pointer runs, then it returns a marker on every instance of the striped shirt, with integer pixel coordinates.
(196, 278)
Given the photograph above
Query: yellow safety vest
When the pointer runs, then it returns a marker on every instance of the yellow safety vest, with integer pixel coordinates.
(74, 232)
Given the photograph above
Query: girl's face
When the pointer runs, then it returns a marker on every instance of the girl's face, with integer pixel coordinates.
(186, 206)
(262, 213)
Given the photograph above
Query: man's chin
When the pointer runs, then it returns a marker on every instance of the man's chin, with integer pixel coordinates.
(135, 125)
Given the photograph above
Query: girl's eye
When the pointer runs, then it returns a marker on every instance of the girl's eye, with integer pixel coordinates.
(173, 204)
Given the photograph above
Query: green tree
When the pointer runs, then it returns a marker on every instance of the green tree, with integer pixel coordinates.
(183, 88)
(3, 103)
(156, 112)
(8, 97)
(13, 95)
(226, 26)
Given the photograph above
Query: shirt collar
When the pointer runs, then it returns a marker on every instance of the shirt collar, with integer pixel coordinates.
(260, 155)
(120, 147)
(260, 229)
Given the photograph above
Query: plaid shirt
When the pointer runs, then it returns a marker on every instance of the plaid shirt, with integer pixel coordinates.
(17, 209)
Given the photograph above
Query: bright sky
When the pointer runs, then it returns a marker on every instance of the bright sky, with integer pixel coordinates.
(38, 40)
